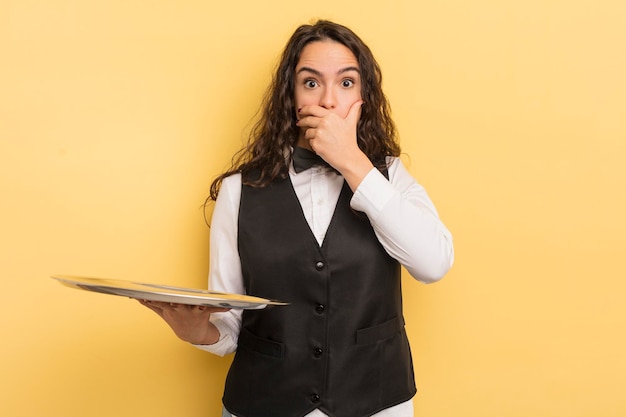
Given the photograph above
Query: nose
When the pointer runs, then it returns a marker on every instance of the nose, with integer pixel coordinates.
(328, 99)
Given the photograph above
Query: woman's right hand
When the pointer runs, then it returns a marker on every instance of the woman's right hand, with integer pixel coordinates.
(190, 323)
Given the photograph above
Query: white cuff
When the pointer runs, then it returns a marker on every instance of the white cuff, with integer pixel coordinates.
(372, 194)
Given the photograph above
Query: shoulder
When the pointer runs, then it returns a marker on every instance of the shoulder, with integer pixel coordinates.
(232, 181)
(230, 190)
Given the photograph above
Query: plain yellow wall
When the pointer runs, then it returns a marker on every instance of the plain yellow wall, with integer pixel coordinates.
(116, 115)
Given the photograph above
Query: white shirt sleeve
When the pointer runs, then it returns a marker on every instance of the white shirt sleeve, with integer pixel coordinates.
(406, 222)
(225, 269)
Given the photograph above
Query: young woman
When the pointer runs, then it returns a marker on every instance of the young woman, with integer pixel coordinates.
(328, 238)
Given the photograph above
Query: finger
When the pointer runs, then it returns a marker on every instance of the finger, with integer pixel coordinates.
(309, 122)
(159, 304)
(218, 309)
(354, 114)
(152, 307)
(310, 133)
(207, 310)
(312, 110)
(147, 303)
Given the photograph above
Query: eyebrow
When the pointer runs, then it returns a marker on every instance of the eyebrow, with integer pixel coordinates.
(319, 74)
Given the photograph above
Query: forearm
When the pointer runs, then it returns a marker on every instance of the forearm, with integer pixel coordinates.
(406, 223)
(417, 239)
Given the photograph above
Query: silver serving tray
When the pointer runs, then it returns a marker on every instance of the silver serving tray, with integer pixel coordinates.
(165, 293)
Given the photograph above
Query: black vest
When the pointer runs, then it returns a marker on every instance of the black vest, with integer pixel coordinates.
(340, 345)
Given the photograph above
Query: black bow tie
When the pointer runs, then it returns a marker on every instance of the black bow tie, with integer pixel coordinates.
(304, 159)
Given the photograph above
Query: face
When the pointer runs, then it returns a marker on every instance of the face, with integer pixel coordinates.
(327, 75)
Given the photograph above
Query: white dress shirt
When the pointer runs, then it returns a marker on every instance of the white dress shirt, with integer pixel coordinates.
(401, 213)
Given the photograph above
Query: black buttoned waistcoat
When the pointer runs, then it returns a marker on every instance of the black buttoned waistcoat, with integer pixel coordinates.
(340, 345)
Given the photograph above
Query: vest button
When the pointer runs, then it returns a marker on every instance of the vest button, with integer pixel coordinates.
(319, 265)
(315, 398)
(319, 309)
(317, 352)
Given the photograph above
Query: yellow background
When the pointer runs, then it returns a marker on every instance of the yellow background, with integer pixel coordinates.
(116, 115)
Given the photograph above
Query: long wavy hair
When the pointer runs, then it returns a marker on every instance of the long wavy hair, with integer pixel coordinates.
(276, 130)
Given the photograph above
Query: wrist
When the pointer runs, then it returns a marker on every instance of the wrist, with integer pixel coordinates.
(356, 170)
(210, 337)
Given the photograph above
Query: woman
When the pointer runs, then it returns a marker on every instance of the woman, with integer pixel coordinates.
(329, 239)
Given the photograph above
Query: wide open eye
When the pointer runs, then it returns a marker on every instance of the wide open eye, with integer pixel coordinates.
(347, 83)
(310, 83)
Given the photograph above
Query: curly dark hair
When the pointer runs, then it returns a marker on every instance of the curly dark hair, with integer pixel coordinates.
(276, 130)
